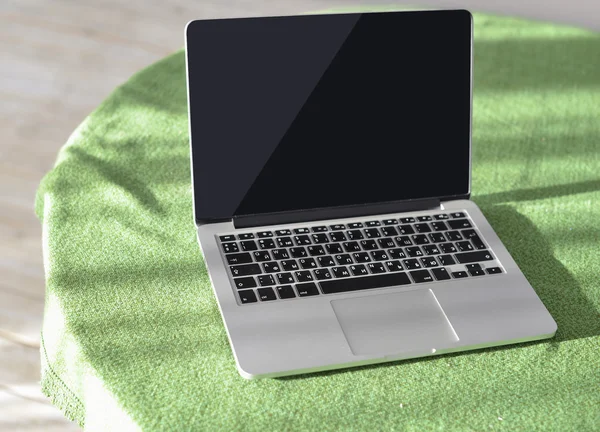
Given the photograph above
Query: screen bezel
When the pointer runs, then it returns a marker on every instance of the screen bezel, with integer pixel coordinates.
(331, 211)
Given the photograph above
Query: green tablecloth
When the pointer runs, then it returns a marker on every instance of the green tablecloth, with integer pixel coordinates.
(132, 335)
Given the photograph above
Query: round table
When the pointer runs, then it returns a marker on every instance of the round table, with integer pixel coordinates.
(132, 335)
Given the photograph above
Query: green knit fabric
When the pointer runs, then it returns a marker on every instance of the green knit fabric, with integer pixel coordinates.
(132, 334)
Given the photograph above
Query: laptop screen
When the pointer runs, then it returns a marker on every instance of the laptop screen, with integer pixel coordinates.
(319, 111)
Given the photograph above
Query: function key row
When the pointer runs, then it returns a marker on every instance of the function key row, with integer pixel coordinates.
(369, 238)
(354, 225)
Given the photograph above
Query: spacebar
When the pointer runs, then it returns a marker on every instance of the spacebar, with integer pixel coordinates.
(363, 283)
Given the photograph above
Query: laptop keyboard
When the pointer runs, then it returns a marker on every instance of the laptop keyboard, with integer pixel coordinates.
(271, 265)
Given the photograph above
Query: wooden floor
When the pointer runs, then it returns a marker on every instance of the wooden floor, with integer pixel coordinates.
(59, 59)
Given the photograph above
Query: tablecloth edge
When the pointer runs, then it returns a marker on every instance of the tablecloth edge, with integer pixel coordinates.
(55, 389)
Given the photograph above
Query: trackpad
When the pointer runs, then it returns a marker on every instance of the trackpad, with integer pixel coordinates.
(393, 323)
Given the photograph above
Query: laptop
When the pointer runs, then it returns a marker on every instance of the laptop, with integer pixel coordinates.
(331, 162)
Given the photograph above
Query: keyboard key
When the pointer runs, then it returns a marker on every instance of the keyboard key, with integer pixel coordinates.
(431, 250)
(307, 263)
(446, 260)
(394, 266)
(247, 296)
(271, 267)
(301, 231)
(440, 216)
(227, 238)
(289, 265)
(316, 250)
(405, 229)
(265, 234)
(333, 248)
(403, 241)
(285, 278)
(476, 272)
(372, 233)
(244, 282)
(249, 245)
(453, 236)
(266, 294)
(298, 252)
(473, 266)
(376, 268)
(359, 270)
(279, 254)
(322, 274)
(459, 223)
(436, 237)
(439, 226)
(285, 242)
(469, 233)
(230, 247)
(355, 225)
(423, 218)
(239, 258)
(340, 272)
(477, 242)
(390, 222)
(386, 243)
(447, 248)
(355, 235)
(440, 273)
(422, 228)
(363, 283)
(302, 240)
(420, 239)
(351, 246)
(411, 264)
(494, 270)
(247, 236)
(337, 227)
(459, 274)
(477, 256)
(266, 280)
(457, 215)
(407, 220)
(326, 261)
(379, 255)
(286, 292)
(373, 223)
(429, 262)
(344, 259)
(261, 256)
(368, 244)
(284, 232)
(245, 270)
(389, 231)
(420, 276)
(266, 244)
(414, 251)
(397, 253)
(303, 276)
(361, 257)
(307, 289)
(338, 236)
(464, 246)
(320, 238)
(318, 229)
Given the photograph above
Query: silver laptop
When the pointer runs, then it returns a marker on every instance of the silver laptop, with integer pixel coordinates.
(331, 181)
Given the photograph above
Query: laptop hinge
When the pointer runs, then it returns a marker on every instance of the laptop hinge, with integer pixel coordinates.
(248, 221)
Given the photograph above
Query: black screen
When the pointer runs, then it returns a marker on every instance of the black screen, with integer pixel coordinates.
(315, 111)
